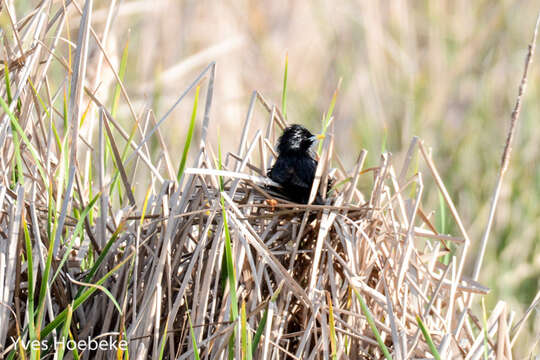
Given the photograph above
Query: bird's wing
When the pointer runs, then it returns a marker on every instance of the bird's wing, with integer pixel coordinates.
(304, 173)
(281, 172)
(299, 174)
(298, 180)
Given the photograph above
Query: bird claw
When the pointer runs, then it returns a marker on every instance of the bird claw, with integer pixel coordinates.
(272, 203)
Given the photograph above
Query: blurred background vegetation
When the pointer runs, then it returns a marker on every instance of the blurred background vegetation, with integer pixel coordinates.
(447, 71)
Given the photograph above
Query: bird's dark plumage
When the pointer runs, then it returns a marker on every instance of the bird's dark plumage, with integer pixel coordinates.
(295, 166)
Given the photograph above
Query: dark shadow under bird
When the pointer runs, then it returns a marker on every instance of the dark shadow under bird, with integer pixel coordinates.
(295, 166)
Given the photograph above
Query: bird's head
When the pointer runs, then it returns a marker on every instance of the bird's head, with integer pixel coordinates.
(296, 139)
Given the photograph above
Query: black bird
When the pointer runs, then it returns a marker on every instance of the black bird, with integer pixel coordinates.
(295, 166)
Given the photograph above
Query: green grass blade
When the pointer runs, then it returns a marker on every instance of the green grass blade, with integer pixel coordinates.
(123, 352)
(114, 108)
(17, 127)
(259, 331)
(371, 323)
(121, 75)
(101, 257)
(65, 110)
(231, 277)
(331, 320)
(328, 115)
(56, 137)
(145, 206)
(18, 176)
(34, 353)
(231, 274)
(330, 111)
(18, 173)
(189, 136)
(39, 98)
(220, 165)
(193, 340)
(65, 334)
(164, 340)
(74, 352)
(98, 287)
(61, 318)
(90, 191)
(8, 82)
(284, 92)
(246, 343)
(45, 277)
(85, 113)
(264, 318)
(76, 232)
(428, 339)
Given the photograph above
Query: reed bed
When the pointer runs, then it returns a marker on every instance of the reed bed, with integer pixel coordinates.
(210, 263)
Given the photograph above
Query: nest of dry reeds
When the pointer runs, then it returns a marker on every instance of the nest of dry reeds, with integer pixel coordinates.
(308, 269)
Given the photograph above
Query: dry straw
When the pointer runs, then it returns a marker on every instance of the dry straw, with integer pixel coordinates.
(205, 266)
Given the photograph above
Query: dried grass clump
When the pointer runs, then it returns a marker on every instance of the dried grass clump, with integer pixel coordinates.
(206, 266)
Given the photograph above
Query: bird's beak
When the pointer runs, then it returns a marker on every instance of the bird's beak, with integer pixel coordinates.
(317, 137)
